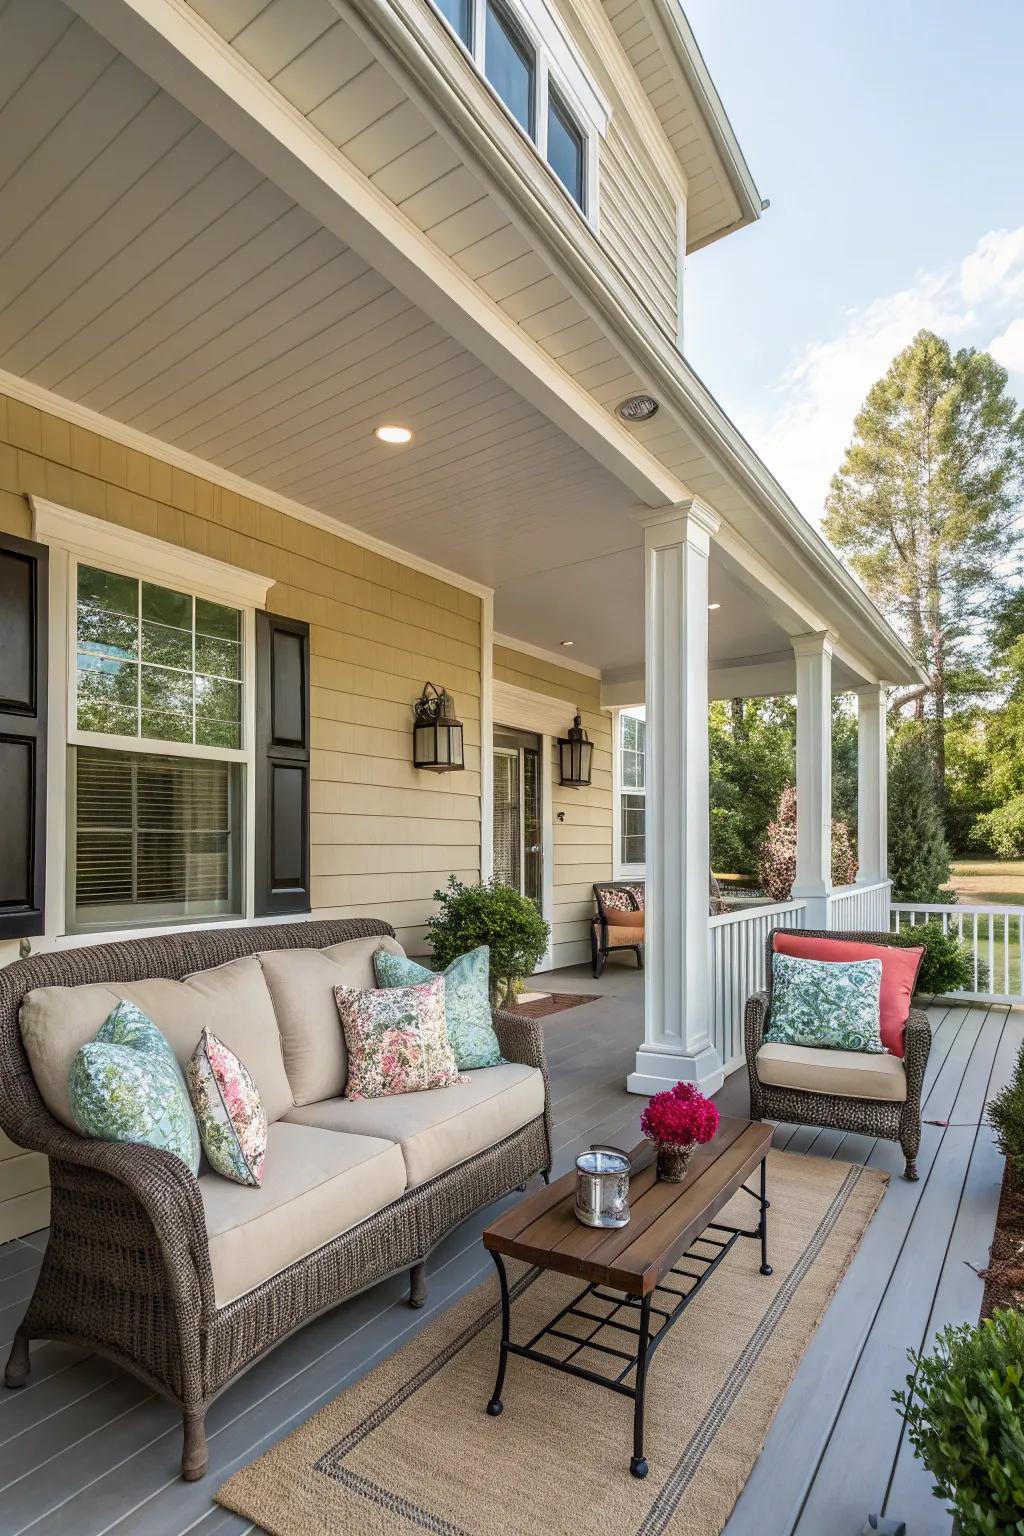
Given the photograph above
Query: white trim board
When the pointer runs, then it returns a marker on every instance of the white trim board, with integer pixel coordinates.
(92, 538)
(525, 710)
(92, 421)
(554, 657)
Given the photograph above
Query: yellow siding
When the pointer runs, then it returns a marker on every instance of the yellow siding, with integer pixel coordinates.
(583, 841)
(639, 225)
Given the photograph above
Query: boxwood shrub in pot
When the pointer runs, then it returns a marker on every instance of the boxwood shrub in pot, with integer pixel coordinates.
(493, 914)
(964, 1407)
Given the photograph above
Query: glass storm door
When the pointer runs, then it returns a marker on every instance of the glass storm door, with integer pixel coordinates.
(518, 841)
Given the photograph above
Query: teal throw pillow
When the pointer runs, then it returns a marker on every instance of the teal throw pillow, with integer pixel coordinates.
(828, 1003)
(467, 1001)
(125, 1085)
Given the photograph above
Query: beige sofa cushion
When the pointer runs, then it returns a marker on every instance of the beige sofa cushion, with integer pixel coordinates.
(232, 1000)
(316, 1185)
(849, 1074)
(302, 983)
(440, 1127)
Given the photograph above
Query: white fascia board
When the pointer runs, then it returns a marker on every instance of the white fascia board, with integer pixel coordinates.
(510, 643)
(173, 45)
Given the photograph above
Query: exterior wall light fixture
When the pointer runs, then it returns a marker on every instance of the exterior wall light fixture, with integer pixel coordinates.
(436, 733)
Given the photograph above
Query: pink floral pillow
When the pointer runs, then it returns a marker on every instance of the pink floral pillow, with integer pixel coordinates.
(229, 1111)
(397, 1040)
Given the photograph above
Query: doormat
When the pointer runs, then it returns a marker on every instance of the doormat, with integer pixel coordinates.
(410, 1449)
(553, 1002)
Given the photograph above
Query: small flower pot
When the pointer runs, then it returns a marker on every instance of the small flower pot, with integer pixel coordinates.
(672, 1163)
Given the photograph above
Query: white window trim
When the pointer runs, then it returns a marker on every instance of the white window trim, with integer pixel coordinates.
(557, 55)
(73, 537)
(620, 870)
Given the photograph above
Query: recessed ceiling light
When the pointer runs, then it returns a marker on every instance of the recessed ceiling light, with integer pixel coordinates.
(637, 408)
(713, 606)
(566, 642)
(392, 434)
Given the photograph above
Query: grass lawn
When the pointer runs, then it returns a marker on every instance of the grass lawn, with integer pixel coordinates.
(988, 882)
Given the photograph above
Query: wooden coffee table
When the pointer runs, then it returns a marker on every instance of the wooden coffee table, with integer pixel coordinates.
(649, 1270)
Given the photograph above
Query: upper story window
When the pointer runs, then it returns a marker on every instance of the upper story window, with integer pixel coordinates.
(532, 65)
(631, 749)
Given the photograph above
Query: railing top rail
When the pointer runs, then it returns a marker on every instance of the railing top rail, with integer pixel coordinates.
(857, 888)
(957, 906)
(750, 914)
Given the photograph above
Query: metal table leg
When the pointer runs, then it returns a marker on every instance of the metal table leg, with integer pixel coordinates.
(762, 1226)
(638, 1461)
(495, 1406)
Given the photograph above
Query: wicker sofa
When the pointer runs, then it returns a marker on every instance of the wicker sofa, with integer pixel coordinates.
(844, 1090)
(185, 1281)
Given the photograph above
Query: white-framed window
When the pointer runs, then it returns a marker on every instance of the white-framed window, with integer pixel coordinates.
(527, 57)
(152, 731)
(630, 789)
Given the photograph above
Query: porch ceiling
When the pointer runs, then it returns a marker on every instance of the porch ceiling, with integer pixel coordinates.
(151, 273)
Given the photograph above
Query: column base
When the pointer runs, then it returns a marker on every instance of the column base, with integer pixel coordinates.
(657, 1070)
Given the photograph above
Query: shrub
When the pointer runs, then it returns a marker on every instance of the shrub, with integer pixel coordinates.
(1002, 830)
(918, 851)
(964, 1407)
(495, 915)
(948, 964)
(777, 852)
(1006, 1113)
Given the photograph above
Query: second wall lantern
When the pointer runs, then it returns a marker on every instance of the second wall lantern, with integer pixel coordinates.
(576, 753)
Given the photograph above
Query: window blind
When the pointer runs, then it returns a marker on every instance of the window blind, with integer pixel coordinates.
(155, 837)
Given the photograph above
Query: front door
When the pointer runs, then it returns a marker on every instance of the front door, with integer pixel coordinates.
(518, 838)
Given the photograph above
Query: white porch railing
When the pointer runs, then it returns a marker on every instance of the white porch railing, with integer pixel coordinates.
(994, 936)
(737, 968)
(860, 908)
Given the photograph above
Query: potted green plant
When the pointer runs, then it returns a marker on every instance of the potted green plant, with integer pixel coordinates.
(493, 914)
(948, 964)
(964, 1407)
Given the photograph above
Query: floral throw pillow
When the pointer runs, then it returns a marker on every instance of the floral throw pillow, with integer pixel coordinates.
(232, 1122)
(125, 1085)
(826, 1003)
(397, 1040)
(467, 1001)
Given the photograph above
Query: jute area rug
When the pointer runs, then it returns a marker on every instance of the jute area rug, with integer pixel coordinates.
(410, 1449)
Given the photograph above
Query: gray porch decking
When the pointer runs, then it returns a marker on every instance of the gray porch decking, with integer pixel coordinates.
(84, 1449)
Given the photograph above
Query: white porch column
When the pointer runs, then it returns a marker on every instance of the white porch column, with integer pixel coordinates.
(813, 882)
(872, 786)
(677, 1043)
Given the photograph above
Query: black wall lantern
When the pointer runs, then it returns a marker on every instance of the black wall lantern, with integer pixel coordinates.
(575, 753)
(437, 734)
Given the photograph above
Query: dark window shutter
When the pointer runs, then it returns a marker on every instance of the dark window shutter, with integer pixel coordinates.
(24, 601)
(282, 765)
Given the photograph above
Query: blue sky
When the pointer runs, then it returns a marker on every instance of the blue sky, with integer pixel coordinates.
(889, 137)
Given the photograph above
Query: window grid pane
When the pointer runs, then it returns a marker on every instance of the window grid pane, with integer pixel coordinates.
(509, 65)
(459, 15)
(565, 147)
(156, 663)
(633, 829)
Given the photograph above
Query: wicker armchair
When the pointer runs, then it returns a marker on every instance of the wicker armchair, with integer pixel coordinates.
(894, 1120)
(126, 1270)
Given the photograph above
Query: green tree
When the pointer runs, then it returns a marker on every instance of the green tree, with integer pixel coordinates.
(918, 851)
(924, 502)
(751, 745)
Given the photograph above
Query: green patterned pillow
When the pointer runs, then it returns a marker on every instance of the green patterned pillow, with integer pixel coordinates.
(125, 1085)
(467, 1005)
(833, 1004)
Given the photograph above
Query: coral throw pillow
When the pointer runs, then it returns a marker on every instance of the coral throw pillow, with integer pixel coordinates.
(634, 920)
(397, 1040)
(232, 1122)
(467, 1001)
(899, 974)
(125, 1085)
(830, 1004)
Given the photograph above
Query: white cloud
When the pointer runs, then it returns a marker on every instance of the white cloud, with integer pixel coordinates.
(803, 435)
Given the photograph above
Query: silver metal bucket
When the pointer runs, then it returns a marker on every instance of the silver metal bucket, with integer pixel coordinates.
(602, 1187)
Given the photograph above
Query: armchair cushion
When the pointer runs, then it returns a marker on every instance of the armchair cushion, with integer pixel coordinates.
(900, 969)
(847, 1074)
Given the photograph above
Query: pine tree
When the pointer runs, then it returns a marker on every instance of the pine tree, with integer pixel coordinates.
(918, 852)
(924, 505)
